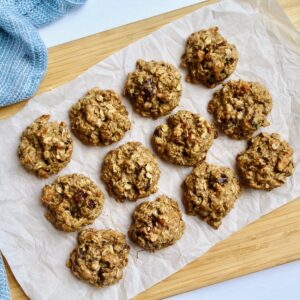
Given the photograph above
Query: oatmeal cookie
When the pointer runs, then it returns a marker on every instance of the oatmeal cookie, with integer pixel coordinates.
(267, 162)
(208, 57)
(45, 147)
(100, 257)
(99, 118)
(210, 192)
(240, 108)
(130, 172)
(185, 139)
(157, 224)
(72, 202)
(155, 88)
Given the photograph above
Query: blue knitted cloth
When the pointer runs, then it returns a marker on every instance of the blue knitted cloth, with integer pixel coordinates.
(23, 55)
(4, 291)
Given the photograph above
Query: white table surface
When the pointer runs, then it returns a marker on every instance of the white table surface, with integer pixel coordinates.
(280, 283)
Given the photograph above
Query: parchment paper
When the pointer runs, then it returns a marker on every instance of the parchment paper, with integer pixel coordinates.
(269, 52)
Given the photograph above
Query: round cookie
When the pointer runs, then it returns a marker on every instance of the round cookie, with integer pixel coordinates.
(99, 118)
(240, 108)
(130, 172)
(210, 192)
(100, 257)
(45, 147)
(208, 57)
(157, 224)
(267, 162)
(185, 139)
(155, 88)
(72, 202)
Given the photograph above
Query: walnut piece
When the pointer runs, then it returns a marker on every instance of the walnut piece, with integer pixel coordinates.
(185, 139)
(157, 224)
(130, 172)
(45, 147)
(208, 57)
(267, 162)
(210, 192)
(240, 108)
(72, 202)
(99, 118)
(100, 257)
(155, 88)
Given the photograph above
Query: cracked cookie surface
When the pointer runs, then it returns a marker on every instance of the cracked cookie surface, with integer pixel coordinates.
(267, 162)
(157, 224)
(208, 57)
(130, 172)
(100, 257)
(99, 118)
(45, 147)
(185, 139)
(72, 202)
(210, 192)
(240, 108)
(155, 88)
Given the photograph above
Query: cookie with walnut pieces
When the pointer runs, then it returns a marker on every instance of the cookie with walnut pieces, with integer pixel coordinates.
(45, 147)
(72, 202)
(130, 172)
(100, 257)
(267, 162)
(157, 224)
(240, 108)
(210, 192)
(99, 118)
(185, 139)
(208, 57)
(154, 88)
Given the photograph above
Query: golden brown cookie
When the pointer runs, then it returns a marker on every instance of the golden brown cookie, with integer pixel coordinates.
(100, 257)
(240, 108)
(45, 147)
(130, 172)
(208, 57)
(157, 224)
(72, 202)
(155, 88)
(185, 139)
(210, 192)
(267, 162)
(99, 118)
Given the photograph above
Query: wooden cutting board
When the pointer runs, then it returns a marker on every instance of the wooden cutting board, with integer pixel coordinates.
(270, 241)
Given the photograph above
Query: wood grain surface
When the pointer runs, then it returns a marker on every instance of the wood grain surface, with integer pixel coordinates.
(272, 240)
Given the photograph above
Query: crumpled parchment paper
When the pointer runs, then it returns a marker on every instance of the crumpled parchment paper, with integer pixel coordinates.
(36, 252)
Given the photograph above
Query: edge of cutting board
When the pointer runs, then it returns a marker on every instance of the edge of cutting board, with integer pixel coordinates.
(272, 240)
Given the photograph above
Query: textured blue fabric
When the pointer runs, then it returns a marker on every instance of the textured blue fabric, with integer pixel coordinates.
(4, 290)
(23, 55)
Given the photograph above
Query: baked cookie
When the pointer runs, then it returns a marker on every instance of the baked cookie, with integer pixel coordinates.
(100, 257)
(210, 192)
(72, 202)
(240, 108)
(130, 172)
(99, 118)
(185, 139)
(45, 147)
(208, 57)
(155, 88)
(157, 224)
(267, 162)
